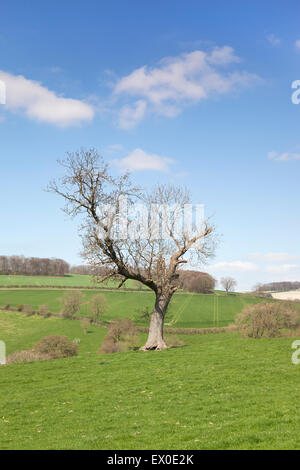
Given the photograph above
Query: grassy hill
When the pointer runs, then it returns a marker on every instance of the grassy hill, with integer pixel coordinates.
(69, 280)
(185, 311)
(218, 392)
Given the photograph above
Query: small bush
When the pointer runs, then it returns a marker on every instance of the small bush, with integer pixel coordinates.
(122, 336)
(28, 309)
(47, 314)
(85, 323)
(97, 307)
(266, 319)
(20, 308)
(109, 347)
(43, 311)
(174, 341)
(55, 346)
(6, 306)
(25, 356)
(72, 302)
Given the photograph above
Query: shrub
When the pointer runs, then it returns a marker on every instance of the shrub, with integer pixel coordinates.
(20, 308)
(25, 356)
(28, 309)
(43, 311)
(122, 336)
(55, 346)
(6, 306)
(72, 302)
(97, 306)
(174, 341)
(85, 323)
(195, 281)
(266, 319)
(47, 314)
(109, 347)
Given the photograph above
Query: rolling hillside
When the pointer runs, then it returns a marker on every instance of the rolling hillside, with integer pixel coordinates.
(218, 391)
(185, 311)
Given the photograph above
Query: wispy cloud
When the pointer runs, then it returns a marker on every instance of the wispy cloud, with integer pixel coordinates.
(139, 160)
(178, 82)
(274, 257)
(282, 268)
(273, 40)
(35, 101)
(113, 148)
(283, 157)
(297, 44)
(234, 266)
(131, 115)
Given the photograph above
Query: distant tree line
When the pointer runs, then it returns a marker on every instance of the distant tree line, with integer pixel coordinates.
(82, 269)
(282, 286)
(33, 266)
(88, 270)
(191, 281)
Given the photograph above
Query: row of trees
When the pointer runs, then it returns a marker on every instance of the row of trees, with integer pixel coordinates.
(81, 269)
(191, 281)
(33, 266)
(89, 270)
(282, 286)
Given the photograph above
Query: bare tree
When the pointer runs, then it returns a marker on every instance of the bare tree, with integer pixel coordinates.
(150, 258)
(228, 283)
(98, 306)
(72, 302)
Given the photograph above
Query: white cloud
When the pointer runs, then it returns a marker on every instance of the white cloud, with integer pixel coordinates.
(130, 116)
(273, 257)
(283, 268)
(113, 148)
(139, 160)
(179, 81)
(297, 44)
(273, 40)
(283, 157)
(40, 104)
(237, 266)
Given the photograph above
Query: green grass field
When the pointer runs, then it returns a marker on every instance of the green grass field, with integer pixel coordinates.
(185, 311)
(70, 280)
(217, 392)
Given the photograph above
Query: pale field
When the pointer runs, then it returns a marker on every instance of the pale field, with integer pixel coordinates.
(290, 295)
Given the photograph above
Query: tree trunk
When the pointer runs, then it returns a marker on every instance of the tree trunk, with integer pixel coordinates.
(155, 339)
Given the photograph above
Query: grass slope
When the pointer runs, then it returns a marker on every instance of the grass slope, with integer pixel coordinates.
(70, 280)
(217, 392)
(186, 310)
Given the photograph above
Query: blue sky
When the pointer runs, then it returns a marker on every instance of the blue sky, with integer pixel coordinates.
(197, 93)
